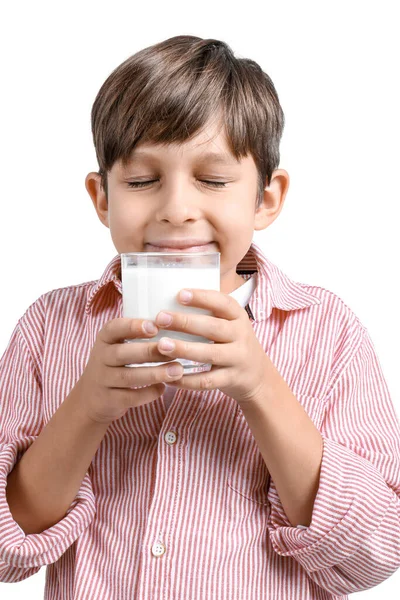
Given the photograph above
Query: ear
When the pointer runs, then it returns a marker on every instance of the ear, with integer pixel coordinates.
(274, 198)
(98, 196)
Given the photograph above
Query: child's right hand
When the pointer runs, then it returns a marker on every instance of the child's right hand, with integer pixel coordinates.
(105, 387)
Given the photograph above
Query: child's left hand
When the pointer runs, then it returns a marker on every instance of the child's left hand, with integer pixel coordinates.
(239, 363)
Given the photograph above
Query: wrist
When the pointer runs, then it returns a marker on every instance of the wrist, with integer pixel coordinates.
(77, 405)
(268, 386)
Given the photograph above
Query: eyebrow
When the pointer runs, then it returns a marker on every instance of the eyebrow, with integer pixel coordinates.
(221, 159)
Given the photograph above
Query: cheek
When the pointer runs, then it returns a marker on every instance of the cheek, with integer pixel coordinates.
(126, 230)
(125, 216)
(234, 217)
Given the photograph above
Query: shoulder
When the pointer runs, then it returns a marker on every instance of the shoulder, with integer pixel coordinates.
(38, 318)
(73, 295)
(59, 296)
(336, 317)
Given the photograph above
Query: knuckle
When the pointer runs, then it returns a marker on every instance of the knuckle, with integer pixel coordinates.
(215, 353)
(185, 322)
(115, 354)
(146, 350)
(125, 375)
(206, 382)
(150, 349)
(154, 376)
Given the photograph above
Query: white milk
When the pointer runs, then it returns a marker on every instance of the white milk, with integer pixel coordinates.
(148, 290)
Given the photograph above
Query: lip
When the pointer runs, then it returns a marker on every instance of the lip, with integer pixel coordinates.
(202, 248)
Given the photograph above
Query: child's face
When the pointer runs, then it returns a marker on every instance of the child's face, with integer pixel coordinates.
(178, 205)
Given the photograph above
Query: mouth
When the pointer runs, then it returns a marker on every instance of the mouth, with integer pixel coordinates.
(210, 247)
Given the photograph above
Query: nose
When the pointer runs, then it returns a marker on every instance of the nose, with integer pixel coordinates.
(177, 207)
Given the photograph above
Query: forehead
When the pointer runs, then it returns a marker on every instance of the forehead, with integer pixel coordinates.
(209, 146)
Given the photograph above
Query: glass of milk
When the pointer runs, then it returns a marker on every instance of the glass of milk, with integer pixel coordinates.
(151, 282)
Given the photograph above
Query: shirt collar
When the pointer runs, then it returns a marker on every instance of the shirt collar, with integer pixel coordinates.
(274, 289)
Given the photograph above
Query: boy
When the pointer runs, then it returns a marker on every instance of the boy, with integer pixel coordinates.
(274, 475)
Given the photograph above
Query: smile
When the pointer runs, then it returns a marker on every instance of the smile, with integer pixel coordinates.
(203, 248)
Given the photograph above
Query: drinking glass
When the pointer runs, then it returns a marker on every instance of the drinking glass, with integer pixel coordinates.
(151, 282)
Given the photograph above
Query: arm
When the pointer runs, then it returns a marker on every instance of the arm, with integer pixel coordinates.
(353, 540)
(290, 444)
(21, 425)
(43, 484)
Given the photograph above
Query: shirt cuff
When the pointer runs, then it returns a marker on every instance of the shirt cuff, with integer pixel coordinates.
(39, 549)
(351, 502)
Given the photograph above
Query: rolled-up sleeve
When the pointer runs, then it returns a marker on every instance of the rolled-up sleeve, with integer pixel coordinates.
(353, 540)
(21, 422)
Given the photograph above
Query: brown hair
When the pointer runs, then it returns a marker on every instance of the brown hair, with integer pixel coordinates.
(168, 92)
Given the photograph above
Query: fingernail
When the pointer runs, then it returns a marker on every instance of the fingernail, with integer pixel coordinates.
(175, 370)
(149, 327)
(164, 318)
(166, 344)
(185, 295)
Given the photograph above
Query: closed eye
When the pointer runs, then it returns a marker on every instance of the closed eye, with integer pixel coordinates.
(140, 184)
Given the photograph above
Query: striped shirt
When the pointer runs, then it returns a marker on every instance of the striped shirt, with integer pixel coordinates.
(178, 502)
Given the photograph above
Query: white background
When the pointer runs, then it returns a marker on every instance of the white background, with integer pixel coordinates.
(335, 67)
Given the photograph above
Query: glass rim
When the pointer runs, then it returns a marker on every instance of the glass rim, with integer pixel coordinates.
(168, 253)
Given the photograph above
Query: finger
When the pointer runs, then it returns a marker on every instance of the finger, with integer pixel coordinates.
(133, 377)
(213, 328)
(215, 378)
(214, 354)
(222, 305)
(118, 355)
(120, 329)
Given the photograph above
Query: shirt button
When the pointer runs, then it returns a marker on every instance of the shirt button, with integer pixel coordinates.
(158, 549)
(170, 437)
